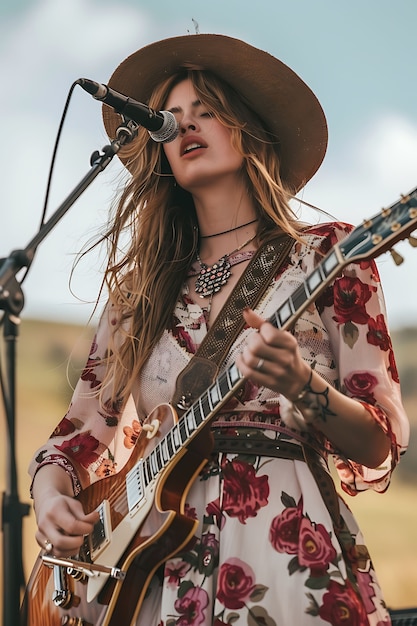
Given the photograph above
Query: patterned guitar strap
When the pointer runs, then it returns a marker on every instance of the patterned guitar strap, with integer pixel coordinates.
(203, 367)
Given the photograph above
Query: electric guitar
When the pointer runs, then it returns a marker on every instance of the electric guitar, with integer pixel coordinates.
(142, 518)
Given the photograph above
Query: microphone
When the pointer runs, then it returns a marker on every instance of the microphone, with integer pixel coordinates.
(161, 125)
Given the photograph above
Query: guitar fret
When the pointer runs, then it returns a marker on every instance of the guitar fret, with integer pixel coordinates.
(183, 430)
(234, 375)
(198, 417)
(154, 464)
(176, 439)
(299, 297)
(314, 280)
(170, 445)
(191, 425)
(330, 263)
(147, 471)
(205, 406)
(213, 396)
(224, 386)
(159, 460)
(283, 314)
(164, 450)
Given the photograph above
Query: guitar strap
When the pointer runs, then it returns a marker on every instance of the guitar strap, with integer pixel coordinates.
(203, 367)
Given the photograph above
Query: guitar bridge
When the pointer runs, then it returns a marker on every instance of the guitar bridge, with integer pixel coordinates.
(62, 596)
(88, 569)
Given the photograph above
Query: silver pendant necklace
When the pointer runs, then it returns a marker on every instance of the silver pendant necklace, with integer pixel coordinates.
(211, 278)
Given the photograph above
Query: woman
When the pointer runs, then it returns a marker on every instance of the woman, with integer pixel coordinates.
(271, 543)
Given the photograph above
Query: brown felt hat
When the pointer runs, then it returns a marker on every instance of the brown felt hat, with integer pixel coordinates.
(288, 108)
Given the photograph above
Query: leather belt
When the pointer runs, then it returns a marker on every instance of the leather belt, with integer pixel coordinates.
(255, 444)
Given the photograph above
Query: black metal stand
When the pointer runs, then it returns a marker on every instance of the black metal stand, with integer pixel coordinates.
(12, 301)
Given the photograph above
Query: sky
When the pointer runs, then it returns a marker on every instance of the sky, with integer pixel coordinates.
(357, 56)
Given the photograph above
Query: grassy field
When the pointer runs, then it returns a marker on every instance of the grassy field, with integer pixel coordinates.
(389, 521)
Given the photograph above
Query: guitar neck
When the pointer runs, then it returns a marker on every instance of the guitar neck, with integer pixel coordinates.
(330, 267)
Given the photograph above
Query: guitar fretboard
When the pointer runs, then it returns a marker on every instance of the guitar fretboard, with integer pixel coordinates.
(307, 291)
(205, 408)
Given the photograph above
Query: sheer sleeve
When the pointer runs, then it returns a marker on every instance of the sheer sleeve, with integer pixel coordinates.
(94, 438)
(354, 313)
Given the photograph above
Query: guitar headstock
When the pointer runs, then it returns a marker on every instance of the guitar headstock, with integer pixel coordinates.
(379, 233)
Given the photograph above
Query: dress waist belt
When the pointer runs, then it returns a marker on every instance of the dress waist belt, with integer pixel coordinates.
(258, 445)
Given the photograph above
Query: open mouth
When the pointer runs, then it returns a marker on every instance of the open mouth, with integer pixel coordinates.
(192, 147)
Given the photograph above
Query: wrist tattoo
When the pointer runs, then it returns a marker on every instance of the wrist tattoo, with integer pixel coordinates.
(316, 403)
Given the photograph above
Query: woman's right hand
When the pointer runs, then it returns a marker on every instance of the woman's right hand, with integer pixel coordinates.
(62, 523)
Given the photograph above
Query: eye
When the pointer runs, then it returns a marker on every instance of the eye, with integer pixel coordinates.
(206, 114)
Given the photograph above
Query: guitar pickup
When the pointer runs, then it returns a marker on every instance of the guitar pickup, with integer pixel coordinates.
(99, 539)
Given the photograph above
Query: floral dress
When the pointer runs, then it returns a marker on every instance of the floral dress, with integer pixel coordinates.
(265, 550)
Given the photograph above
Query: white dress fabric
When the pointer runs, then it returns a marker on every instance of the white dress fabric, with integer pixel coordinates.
(265, 550)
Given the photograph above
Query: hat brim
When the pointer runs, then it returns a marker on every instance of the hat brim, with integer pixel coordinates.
(287, 106)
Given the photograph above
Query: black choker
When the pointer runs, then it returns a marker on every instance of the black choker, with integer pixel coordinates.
(231, 230)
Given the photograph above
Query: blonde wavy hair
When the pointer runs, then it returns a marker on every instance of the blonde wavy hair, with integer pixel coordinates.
(157, 219)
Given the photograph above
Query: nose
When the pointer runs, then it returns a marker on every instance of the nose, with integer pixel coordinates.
(188, 122)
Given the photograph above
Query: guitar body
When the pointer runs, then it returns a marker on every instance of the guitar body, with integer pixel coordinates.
(143, 541)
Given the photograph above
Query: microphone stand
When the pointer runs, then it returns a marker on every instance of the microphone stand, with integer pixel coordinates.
(12, 301)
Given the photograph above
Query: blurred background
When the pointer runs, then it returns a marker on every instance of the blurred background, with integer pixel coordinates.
(359, 59)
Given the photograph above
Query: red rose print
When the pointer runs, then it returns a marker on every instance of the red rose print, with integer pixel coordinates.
(393, 367)
(316, 550)
(330, 236)
(244, 492)
(191, 607)
(377, 334)
(183, 338)
(190, 511)
(326, 299)
(342, 606)
(65, 427)
(371, 265)
(365, 584)
(235, 583)
(350, 297)
(361, 385)
(285, 530)
(174, 571)
(81, 448)
(88, 373)
(213, 509)
(111, 413)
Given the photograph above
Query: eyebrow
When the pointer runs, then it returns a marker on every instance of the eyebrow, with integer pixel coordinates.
(195, 104)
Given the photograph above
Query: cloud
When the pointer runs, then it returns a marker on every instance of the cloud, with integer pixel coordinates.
(43, 50)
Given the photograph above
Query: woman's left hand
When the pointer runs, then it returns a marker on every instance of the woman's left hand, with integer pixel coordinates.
(271, 358)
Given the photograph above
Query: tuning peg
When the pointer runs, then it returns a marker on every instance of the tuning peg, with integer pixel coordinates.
(398, 259)
(412, 241)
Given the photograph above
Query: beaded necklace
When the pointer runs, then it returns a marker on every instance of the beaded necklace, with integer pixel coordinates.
(211, 278)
